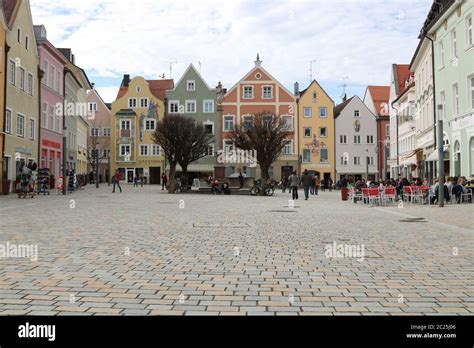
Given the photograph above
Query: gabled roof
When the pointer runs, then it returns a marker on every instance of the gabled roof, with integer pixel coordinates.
(401, 73)
(315, 82)
(191, 67)
(258, 67)
(380, 96)
(3, 19)
(339, 108)
(157, 87)
(10, 7)
(438, 9)
(94, 91)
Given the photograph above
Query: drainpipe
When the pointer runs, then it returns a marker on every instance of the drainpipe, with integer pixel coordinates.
(396, 118)
(5, 80)
(40, 77)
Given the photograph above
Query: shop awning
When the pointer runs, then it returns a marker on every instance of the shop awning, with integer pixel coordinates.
(204, 168)
(434, 155)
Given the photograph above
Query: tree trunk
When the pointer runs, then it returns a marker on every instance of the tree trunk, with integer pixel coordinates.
(172, 178)
(184, 181)
(264, 168)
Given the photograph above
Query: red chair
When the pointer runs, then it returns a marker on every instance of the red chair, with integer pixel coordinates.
(407, 194)
(365, 195)
(374, 196)
(389, 194)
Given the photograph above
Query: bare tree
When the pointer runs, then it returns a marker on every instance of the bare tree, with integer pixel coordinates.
(183, 141)
(267, 135)
(98, 143)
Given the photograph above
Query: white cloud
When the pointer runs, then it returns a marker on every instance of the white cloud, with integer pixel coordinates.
(359, 39)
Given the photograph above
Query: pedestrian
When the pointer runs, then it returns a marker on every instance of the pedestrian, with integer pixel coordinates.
(317, 184)
(142, 179)
(241, 180)
(307, 181)
(295, 182)
(135, 180)
(164, 181)
(284, 184)
(116, 181)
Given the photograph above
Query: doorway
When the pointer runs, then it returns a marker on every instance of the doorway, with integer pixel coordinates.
(130, 175)
(155, 175)
(286, 171)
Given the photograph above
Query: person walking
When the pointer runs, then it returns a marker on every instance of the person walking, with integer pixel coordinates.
(116, 181)
(164, 181)
(317, 184)
(135, 180)
(330, 184)
(307, 181)
(241, 180)
(295, 182)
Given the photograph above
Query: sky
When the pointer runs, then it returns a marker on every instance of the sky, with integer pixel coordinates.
(353, 39)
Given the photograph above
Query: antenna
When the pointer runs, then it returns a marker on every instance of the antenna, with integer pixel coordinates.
(344, 85)
(199, 67)
(311, 70)
(171, 67)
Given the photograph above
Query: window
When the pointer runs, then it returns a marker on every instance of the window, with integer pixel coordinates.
(324, 156)
(248, 92)
(356, 113)
(356, 139)
(52, 77)
(442, 98)
(51, 117)
(191, 85)
(132, 103)
(228, 146)
(92, 107)
(106, 132)
(30, 84)
(20, 126)
(210, 150)
(454, 46)
(209, 128)
(315, 97)
(18, 35)
(58, 81)
(323, 132)
(288, 148)
(228, 123)
(46, 72)
(370, 139)
(357, 161)
(371, 161)
(155, 150)
(150, 125)
(441, 54)
(307, 112)
(455, 99)
(27, 42)
(95, 132)
(32, 129)
(143, 102)
(306, 155)
(267, 92)
(344, 160)
(288, 121)
(125, 124)
(124, 150)
(191, 106)
(174, 107)
(44, 115)
(208, 106)
(323, 112)
(12, 73)
(470, 88)
(267, 121)
(343, 139)
(105, 153)
(8, 121)
(22, 79)
(143, 150)
(468, 29)
(307, 132)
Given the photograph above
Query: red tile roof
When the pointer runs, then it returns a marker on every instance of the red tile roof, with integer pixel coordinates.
(380, 95)
(157, 87)
(403, 74)
(9, 8)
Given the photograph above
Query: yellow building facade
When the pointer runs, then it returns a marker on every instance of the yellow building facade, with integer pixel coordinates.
(316, 131)
(135, 115)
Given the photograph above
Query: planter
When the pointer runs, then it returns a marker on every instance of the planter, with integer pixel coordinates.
(6, 187)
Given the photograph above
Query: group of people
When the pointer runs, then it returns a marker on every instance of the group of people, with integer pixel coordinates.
(311, 184)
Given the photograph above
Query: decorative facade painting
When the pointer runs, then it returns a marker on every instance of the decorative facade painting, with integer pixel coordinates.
(357, 126)
(152, 112)
(316, 145)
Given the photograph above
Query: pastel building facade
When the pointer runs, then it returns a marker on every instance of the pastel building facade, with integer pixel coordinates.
(3, 38)
(192, 97)
(316, 131)
(22, 96)
(52, 64)
(135, 113)
(257, 92)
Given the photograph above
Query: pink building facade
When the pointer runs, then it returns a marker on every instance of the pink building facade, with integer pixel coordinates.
(52, 64)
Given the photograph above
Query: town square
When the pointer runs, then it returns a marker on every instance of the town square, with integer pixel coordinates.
(180, 158)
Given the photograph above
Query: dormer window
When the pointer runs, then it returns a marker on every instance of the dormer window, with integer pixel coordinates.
(356, 113)
(248, 92)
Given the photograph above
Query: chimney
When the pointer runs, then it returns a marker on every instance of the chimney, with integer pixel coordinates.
(40, 32)
(126, 80)
(297, 89)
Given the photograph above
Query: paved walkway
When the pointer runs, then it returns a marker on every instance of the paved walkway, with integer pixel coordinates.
(146, 252)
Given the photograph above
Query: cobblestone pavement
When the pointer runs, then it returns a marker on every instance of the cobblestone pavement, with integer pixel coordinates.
(144, 252)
